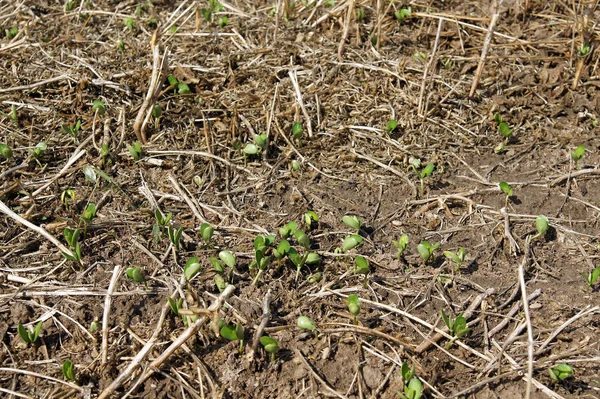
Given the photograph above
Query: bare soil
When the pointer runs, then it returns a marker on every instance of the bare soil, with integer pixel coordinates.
(536, 73)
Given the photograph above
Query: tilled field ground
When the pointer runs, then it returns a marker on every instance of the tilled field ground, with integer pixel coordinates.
(270, 111)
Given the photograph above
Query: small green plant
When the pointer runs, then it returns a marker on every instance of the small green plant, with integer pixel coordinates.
(192, 267)
(295, 165)
(12, 32)
(27, 335)
(584, 50)
(68, 370)
(175, 235)
(234, 333)
(98, 106)
(281, 251)
(5, 151)
(271, 346)
(354, 222)
(560, 372)
(401, 245)
(354, 306)
(311, 219)
(457, 257)
(403, 14)
(156, 114)
(180, 87)
(88, 213)
(73, 130)
(160, 225)
(206, 232)
(121, 46)
(213, 7)
(592, 277)
(297, 131)
(222, 22)
(104, 154)
(360, 14)
(350, 242)
(94, 326)
(306, 323)
(506, 189)
(228, 258)
(427, 250)
(66, 196)
(72, 239)
(260, 141)
(413, 388)
(457, 327)
(577, 154)
(135, 150)
(422, 172)
(69, 5)
(128, 22)
(38, 152)
(391, 126)
(136, 274)
(175, 305)
(361, 266)
(261, 243)
(541, 225)
(288, 230)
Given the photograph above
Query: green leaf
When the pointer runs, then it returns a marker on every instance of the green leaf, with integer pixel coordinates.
(361, 265)
(506, 188)
(504, 129)
(232, 333)
(354, 222)
(561, 372)
(175, 305)
(270, 345)
(136, 274)
(415, 387)
(578, 153)
(353, 304)
(5, 151)
(228, 258)
(295, 257)
(39, 150)
(306, 323)
(217, 265)
(183, 88)
(157, 111)
(220, 282)
(206, 231)
(297, 130)
(407, 373)
(541, 224)
(593, 276)
(251, 149)
(425, 250)
(447, 321)
(391, 125)
(282, 249)
(302, 239)
(99, 107)
(90, 174)
(309, 218)
(401, 244)
(23, 333)
(287, 230)
(67, 370)
(351, 242)
(427, 171)
(172, 80)
(36, 332)
(192, 267)
(89, 213)
(460, 326)
(498, 118)
(260, 140)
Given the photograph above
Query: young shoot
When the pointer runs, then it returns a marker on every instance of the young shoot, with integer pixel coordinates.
(234, 333)
(422, 172)
(401, 245)
(354, 222)
(288, 230)
(156, 114)
(135, 150)
(306, 323)
(175, 236)
(457, 327)
(192, 267)
(260, 142)
(180, 87)
(228, 258)
(29, 335)
(66, 196)
(413, 390)
(260, 260)
(311, 220)
(350, 242)
(426, 251)
(5, 151)
(361, 266)
(391, 126)
(354, 306)
(73, 130)
(403, 14)
(506, 189)
(68, 370)
(98, 106)
(297, 132)
(206, 232)
(222, 22)
(89, 213)
(577, 154)
(72, 238)
(560, 372)
(38, 152)
(592, 277)
(271, 346)
(457, 257)
(175, 305)
(541, 225)
(136, 274)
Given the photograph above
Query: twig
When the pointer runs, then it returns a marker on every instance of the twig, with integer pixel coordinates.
(37, 375)
(317, 376)
(346, 29)
(512, 312)
(484, 51)
(294, 79)
(107, 301)
(574, 174)
(428, 67)
(186, 199)
(37, 84)
(266, 316)
(527, 318)
(514, 247)
(579, 315)
(37, 229)
(390, 169)
(201, 154)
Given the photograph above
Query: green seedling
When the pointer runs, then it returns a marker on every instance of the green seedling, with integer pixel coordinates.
(295, 165)
(104, 154)
(403, 14)
(350, 242)
(156, 114)
(175, 236)
(197, 181)
(69, 5)
(560, 372)
(354, 222)
(422, 172)
(281, 252)
(6, 151)
(312, 258)
(541, 225)
(262, 262)
(413, 390)
(457, 327)
(94, 326)
(220, 282)
(401, 245)
(391, 126)
(73, 130)
(27, 335)
(311, 219)
(68, 370)
(180, 87)
(577, 154)
(503, 127)
(420, 57)
(297, 131)
(361, 266)
(137, 275)
(360, 14)
(592, 277)
(506, 189)
(306, 323)
(12, 32)
(228, 258)
(354, 306)
(89, 213)
(161, 224)
(297, 259)
(192, 267)
(128, 22)
(90, 174)
(584, 50)
(302, 239)
(175, 305)
(271, 346)
(206, 232)
(38, 151)
(98, 106)
(233, 333)
(66, 196)
(135, 150)
(407, 373)
(457, 257)
(72, 239)
(426, 250)
(260, 141)
(121, 46)
(222, 22)
(315, 278)
(288, 230)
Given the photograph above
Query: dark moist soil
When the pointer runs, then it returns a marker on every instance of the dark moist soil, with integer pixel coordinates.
(239, 79)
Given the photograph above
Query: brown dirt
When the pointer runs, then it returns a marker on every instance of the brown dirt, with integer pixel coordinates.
(237, 74)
